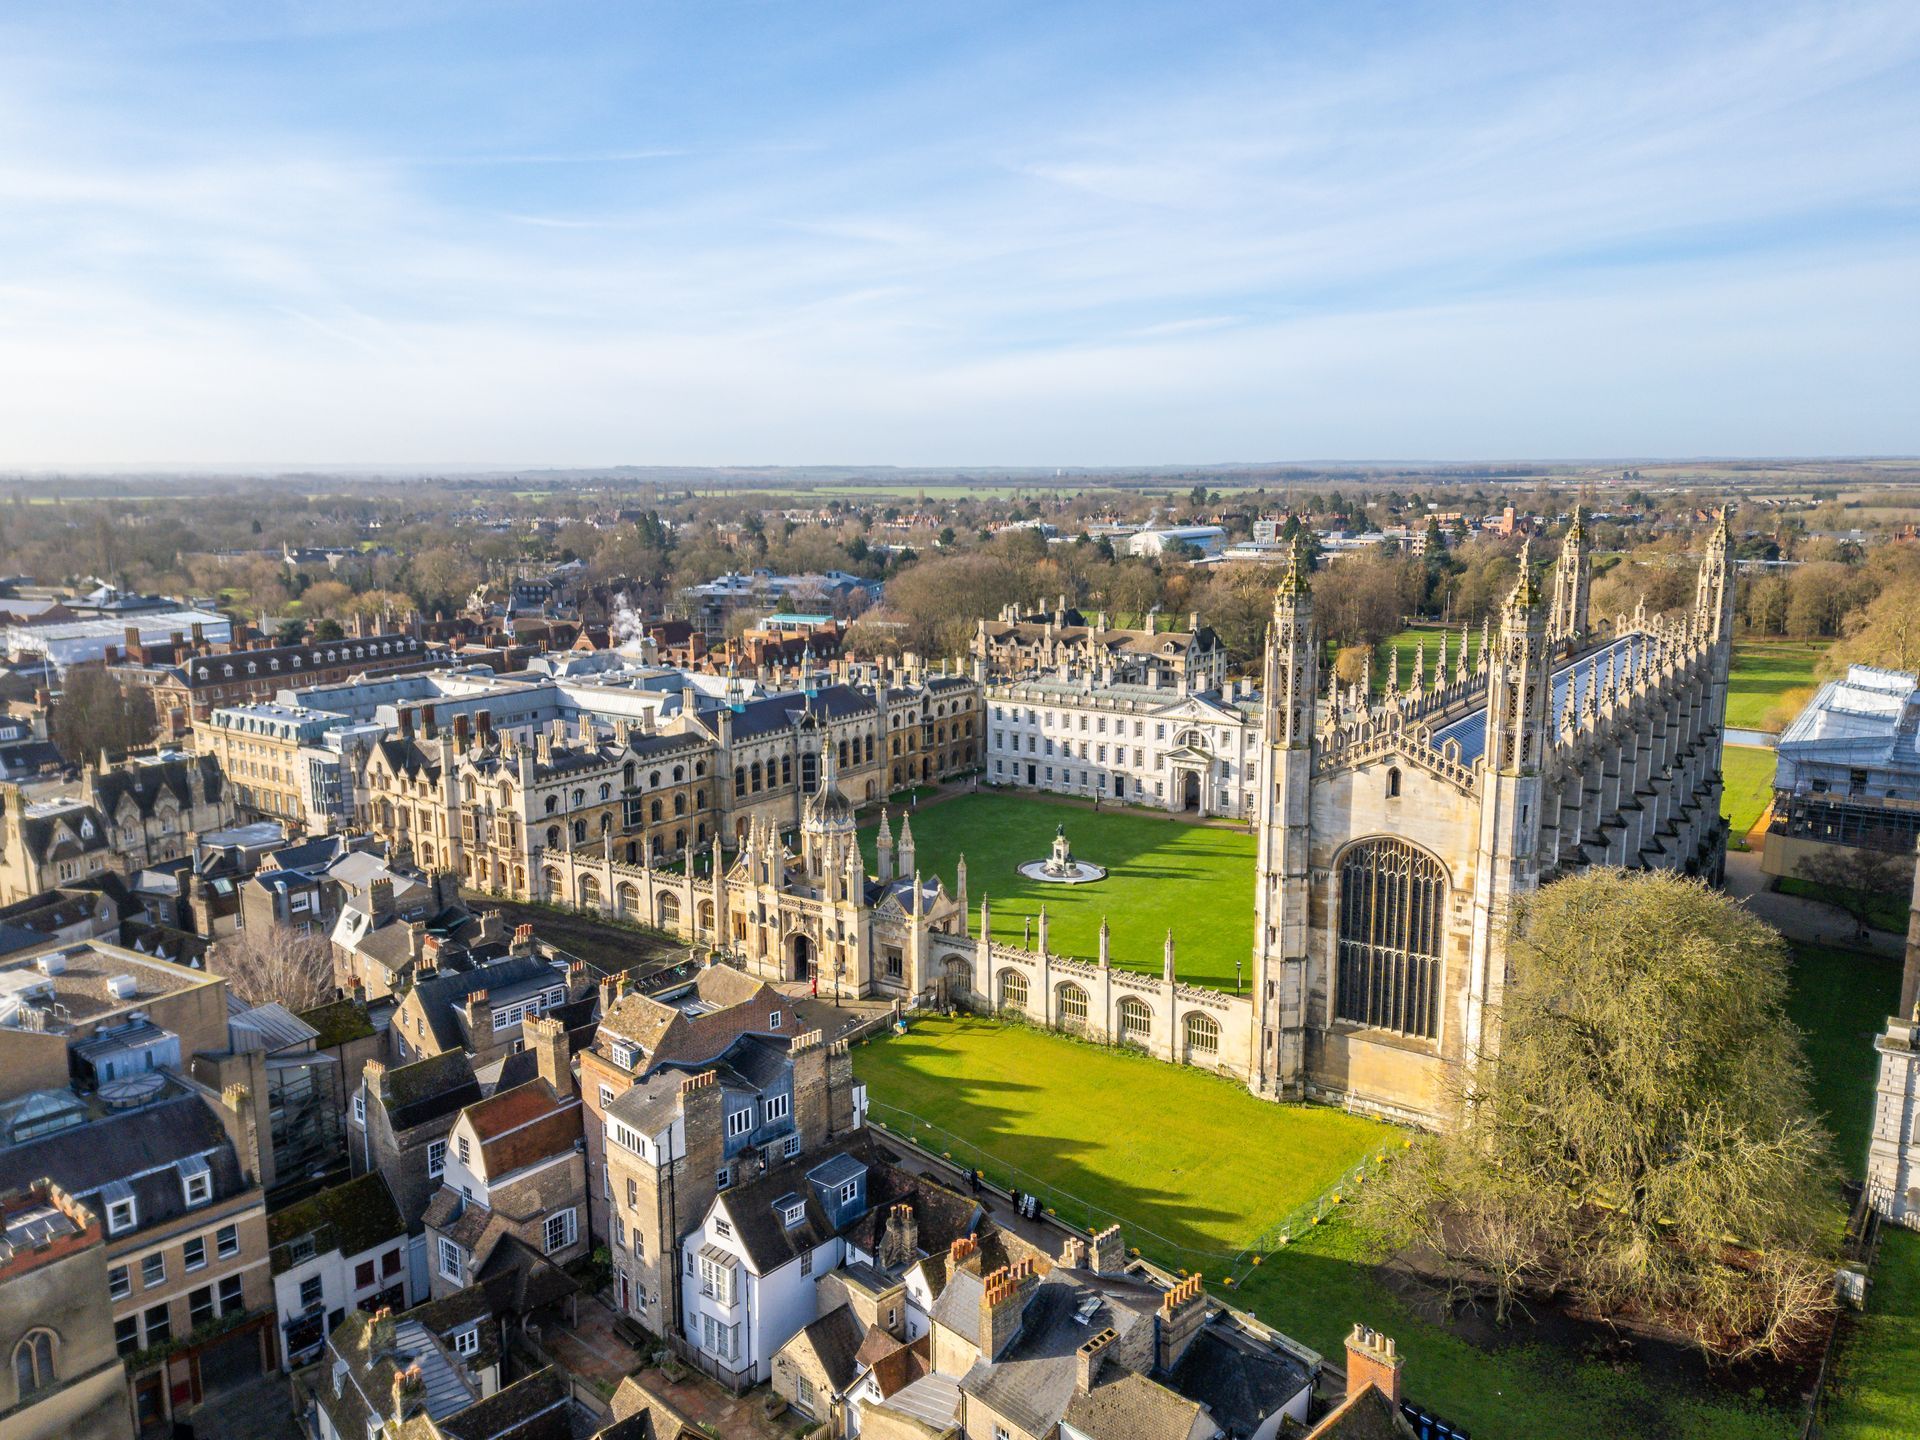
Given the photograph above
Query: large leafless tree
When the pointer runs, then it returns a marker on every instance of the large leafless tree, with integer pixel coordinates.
(278, 964)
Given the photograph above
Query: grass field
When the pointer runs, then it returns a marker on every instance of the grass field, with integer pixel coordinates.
(1197, 878)
(1875, 1389)
(1203, 1166)
(1044, 1109)
(1841, 1000)
(1771, 680)
(1748, 774)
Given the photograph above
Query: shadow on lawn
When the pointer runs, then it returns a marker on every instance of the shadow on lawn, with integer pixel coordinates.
(1001, 1141)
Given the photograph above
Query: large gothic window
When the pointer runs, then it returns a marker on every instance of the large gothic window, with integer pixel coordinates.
(1392, 906)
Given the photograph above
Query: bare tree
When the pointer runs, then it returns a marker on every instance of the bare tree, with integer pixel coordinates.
(1643, 1141)
(291, 967)
(1858, 879)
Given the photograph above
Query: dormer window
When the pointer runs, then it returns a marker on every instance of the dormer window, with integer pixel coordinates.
(122, 1212)
(793, 1214)
(196, 1181)
(773, 1020)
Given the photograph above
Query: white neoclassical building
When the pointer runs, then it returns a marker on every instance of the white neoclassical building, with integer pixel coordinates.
(1072, 734)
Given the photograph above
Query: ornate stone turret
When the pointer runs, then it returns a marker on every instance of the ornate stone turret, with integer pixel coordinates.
(1281, 902)
(1572, 579)
(883, 849)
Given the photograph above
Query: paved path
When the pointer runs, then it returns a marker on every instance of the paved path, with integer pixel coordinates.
(259, 1409)
(1795, 916)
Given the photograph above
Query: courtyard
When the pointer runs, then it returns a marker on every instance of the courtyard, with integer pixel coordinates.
(1161, 871)
(1195, 1169)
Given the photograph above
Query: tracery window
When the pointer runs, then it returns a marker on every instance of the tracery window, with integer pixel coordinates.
(1392, 906)
(1070, 1003)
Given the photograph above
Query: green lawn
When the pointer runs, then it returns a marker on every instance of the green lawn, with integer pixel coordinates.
(1747, 773)
(1763, 690)
(1874, 1393)
(1192, 1166)
(1213, 1170)
(1840, 1000)
(1197, 878)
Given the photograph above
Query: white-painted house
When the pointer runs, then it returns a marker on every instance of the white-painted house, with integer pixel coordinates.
(342, 1250)
(749, 1267)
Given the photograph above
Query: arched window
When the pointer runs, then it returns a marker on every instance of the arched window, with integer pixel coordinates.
(653, 808)
(1392, 906)
(679, 773)
(739, 780)
(553, 837)
(1201, 1033)
(1136, 1020)
(579, 797)
(680, 804)
(755, 772)
(553, 803)
(1070, 1003)
(33, 1362)
(653, 777)
(605, 791)
(1013, 990)
(1393, 783)
(579, 831)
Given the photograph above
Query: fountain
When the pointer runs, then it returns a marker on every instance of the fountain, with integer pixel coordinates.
(1061, 868)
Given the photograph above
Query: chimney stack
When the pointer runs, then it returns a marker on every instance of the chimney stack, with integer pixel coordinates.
(1109, 1252)
(1003, 1303)
(547, 1038)
(1086, 1360)
(1183, 1310)
(1372, 1359)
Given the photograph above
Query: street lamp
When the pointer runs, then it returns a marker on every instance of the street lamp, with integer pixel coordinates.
(1236, 976)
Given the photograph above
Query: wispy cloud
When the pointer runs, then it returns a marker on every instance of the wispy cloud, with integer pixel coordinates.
(959, 236)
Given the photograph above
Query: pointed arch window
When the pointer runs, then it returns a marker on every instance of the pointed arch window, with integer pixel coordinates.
(1392, 909)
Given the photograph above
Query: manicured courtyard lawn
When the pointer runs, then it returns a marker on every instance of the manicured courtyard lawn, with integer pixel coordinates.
(1191, 1159)
(1766, 676)
(1191, 1164)
(1747, 773)
(1840, 999)
(1875, 1390)
(1161, 872)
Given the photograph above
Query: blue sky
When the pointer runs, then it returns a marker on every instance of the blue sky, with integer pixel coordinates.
(970, 234)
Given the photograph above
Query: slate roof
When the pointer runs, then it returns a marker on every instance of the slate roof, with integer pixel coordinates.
(535, 1408)
(835, 1338)
(1240, 1379)
(769, 1242)
(941, 1215)
(463, 1309)
(518, 1279)
(144, 782)
(1581, 673)
(1033, 1380)
(440, 1085)
(438, 996)
(1126, 1406)
(139, 1150)
(351, 1218)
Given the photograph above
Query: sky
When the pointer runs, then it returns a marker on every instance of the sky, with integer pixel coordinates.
(403, 233)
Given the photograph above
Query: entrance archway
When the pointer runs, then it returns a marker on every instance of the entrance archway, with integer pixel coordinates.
(800, 956)
(1190, 790)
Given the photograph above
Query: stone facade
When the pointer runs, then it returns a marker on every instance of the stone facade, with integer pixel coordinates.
(1395, 835)
(1080, 732)
(1893, 1153)
(62, 1376)
(144, 811)
(535, 820)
